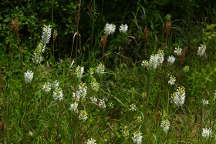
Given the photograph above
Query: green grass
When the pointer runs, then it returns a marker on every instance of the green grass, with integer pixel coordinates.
(137, 99)
(31, 115)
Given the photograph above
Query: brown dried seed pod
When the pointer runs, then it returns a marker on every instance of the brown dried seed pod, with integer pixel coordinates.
(145, 34)
(2, 126)
(14, 25)
(103, 41)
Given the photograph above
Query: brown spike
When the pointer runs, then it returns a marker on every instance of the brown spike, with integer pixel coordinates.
(145, 34)
(103, 41)
(14, 25)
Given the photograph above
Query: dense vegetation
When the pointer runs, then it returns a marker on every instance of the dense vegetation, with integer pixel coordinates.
(108, 71)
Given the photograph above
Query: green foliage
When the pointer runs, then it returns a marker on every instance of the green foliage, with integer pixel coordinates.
(93, 85)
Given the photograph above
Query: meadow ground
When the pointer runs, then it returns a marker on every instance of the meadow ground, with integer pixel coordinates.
(167, 97)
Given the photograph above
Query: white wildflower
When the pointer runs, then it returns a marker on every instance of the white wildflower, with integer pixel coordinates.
(93, 100)
(160, 56)
(81, 92)
(83, 115)
(178, 51)
(171, 59)
(125, 131)
(91, 141)
(123, 28)
(58, 94)
(71, 65)
(137, 138)
(145, 63)
(153, 61)
(30, 133)
(102, 103)
(139, 119)
(28, 76)
(100, 69)
(206, 132)
(73, 107)
(214, 94)
(172, 80)
(55, 84)
(47, 87)
(110, 104)
(91, 71)
(133, 107)
(201, 50)
(205, 102)
(37, 58)
(94, 84)
(79, 71)
(179, 96)
(109, 29)
(46, 34)
(156, 59)
(165, 125)
(40, 48)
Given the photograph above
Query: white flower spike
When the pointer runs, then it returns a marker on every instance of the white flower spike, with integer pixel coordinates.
(28, 76)
(109, 29)
(123, 28)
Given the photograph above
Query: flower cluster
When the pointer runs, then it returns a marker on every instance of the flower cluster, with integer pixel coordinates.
(46, 34)
(81, 92)
(93, 100)
(99, 102)
(109, 29)
(94, 84)
(55, 84)
(123, 28)
(171, 59)
(100, 69)
(58, 94)
(137, 138)
(156, 59)
(172, 80)
(91, 141)
(57, 90)
(79, 71)
(205, 102)
(28, 76)
(37, 56)
(178, 51)
(125, 131)
(74, 107)
(145, 63)
(91, 71)
(179, 96)
(47, 87)
(83, 115)
(102, 103)
(133, 107)
(207, 132)
(165, 125)
(201, 50)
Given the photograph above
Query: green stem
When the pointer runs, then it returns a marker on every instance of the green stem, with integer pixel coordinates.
(52, 17)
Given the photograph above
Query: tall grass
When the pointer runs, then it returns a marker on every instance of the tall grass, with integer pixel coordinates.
(102, 92)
